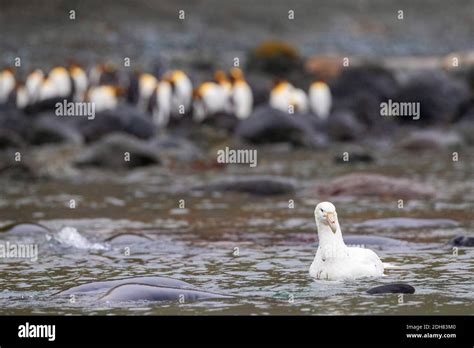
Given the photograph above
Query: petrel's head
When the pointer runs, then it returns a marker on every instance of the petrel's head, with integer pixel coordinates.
(325, 213)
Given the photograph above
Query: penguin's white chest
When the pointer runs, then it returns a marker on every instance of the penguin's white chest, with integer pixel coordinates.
(320, 101)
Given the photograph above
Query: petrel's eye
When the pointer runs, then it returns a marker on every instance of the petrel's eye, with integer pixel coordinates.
(321, 209)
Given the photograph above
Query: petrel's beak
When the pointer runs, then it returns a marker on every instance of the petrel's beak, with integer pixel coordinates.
(331, 219)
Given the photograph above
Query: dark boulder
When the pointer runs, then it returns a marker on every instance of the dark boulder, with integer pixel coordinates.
(22, 170)
(257, 185)
(118, 151)
(125, 119)
(362, 89)
(49, 128)
(440, 96)
(10, 139)
(343, 125)
(268, 125)
(392, 289)
(15, 121)
(464, 241)
(225, 121)
(142, 292)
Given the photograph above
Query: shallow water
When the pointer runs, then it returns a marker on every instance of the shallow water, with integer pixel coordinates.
(275, 244)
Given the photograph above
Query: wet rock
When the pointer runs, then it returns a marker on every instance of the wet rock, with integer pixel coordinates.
(223, 121)
(261, 85)
(405, 223)
(392, 289)
(463, 241)
(128, 238)
(178, 148)
(51, 129)
(141, 292)
(15, 122)
(439, 96)
(375, 80)
(10, 168)
(344, 126)
(466, 129)
(11, 140)
(368, 184)
(465, 111)
(362, 89)
(124, 119)
(267, 125)
(25, 229)
(430, 140)
(112, 152)
(257, 185)
(108, 284)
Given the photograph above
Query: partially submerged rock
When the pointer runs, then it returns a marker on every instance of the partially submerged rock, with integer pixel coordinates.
(13, 169)
(362, 89)
(108, 284)
(124, 119)
(49, 128)
(142, 292)
(25, 229)
(430, 140)
(344, 126)
(10, 139)
(118, 151)
(368, 184)
(257, 185)
(268, 125)
(438, 94)
(463, 241)
(392, 289)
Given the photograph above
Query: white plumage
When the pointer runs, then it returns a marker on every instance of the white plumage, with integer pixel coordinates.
(334, 260)
(33, 85)
(241, 95)
(287, 98)
(7, 84)
(147, 84)
(81, 82)
(320, 99)
(182, 91)
(211, 98)
(162, 109)
(103, 97)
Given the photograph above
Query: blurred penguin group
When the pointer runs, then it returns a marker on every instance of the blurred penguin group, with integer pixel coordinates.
(165, 98)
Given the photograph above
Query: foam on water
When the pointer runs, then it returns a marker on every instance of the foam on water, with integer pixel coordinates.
(70, 237)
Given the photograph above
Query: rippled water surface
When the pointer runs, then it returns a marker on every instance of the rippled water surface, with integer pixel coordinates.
(256, 248)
